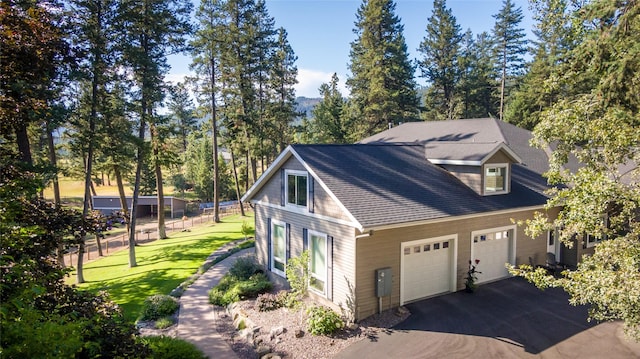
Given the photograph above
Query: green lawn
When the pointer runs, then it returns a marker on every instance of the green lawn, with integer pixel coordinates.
(162, 264)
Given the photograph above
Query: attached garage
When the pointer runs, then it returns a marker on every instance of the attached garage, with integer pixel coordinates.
(494, 248)
(428, 267)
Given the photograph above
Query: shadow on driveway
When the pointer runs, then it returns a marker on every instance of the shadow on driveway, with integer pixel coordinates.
(508, 319)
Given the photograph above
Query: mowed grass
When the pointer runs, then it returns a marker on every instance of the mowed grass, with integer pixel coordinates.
(162, 264)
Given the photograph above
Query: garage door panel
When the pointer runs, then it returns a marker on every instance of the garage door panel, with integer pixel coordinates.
(493, 251)
(427, 267)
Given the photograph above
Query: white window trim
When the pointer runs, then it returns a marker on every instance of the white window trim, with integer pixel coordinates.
(507, 179)
(311, 233)
(286, 187)
(592, 244)
(273, 257)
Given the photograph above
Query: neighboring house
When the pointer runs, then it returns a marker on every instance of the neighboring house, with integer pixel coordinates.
(418, 202)
(147, 205)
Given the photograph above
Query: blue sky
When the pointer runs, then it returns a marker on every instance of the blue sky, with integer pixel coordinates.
(320, 33)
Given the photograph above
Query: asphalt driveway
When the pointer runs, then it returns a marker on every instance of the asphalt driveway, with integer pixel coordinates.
(506, 319)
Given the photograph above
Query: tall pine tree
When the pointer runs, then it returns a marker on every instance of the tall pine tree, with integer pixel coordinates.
(283, 77)
(510, 47)
(554, 38)
(383, 90)
(329, 123)
(440, 49)
(150, 30)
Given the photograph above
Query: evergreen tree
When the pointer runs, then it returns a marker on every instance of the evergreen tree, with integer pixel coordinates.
(477, 80)
(199, 166)
(207, 53)
(510, 47)
(440, 63)
(283, 76)
(381, 83)
(150, 29)
(554, 40)
(182, 113)
(329, 123)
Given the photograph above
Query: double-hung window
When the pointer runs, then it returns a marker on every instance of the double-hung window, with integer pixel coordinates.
(296, 183)
(495, 179)
(318, 261)
(278, 247)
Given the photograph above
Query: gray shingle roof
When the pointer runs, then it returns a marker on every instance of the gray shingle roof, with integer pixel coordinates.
(385, 184)
(478, 137)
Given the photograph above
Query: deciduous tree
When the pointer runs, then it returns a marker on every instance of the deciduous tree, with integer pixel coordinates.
(599, 127)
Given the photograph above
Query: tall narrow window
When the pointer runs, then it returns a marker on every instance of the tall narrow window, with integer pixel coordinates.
(318, 259)
(278, 248)
(297, 188)
(495, 179)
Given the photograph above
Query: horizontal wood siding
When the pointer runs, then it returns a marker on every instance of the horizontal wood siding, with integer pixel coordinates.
(323, 203)
(382, 249)
(343, 275)
(499, 157)
(261, 233)
(469, 175)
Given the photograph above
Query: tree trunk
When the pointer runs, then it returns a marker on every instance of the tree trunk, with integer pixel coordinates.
(56, 187)
(136, 189)
(162, 232)
(93, 189)
(22, 139)
(504, 79)
(123, 197)
(214, 135)
(235, 177)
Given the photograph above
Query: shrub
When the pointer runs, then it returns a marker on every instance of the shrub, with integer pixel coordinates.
(323, 321)
(164, 322)
(246, 229)
(158, 306)
(244, 267)
(297, 271)
(172, 348)
(231, 289)
(270, 301)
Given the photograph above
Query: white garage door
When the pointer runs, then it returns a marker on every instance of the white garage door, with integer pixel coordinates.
(493, 248)
(427, 267)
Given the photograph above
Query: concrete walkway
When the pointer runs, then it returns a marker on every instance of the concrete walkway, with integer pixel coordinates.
(197, 321)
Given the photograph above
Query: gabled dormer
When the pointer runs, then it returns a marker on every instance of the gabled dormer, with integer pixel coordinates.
(483, 167)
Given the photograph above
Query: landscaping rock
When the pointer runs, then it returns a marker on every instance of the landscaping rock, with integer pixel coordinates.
(263, 350)
(299, 333)
(271, 356)
(276, 331)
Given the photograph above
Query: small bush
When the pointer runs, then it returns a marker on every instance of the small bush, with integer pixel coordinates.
(298, 276)
(245, 267)
(269, 301)
(158, 306)
(172, 348)
(164, 323)
(323, 321)
(231, 289)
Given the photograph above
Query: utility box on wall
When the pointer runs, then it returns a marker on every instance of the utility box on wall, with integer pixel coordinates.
(383, 282)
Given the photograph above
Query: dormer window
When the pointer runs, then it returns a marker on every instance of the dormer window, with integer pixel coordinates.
(496, 179)
(296, 188)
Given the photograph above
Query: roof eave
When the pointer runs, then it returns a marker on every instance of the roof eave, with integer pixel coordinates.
(264, 178)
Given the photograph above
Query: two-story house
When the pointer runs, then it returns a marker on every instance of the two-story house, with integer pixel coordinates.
(416, 202)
